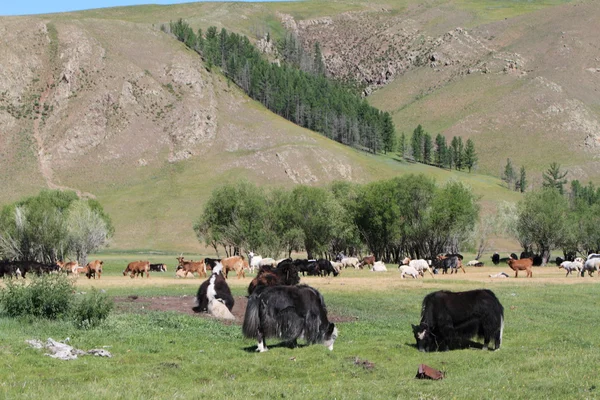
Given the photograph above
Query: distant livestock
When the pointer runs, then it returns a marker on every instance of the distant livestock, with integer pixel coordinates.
(475, 263)
(350, 262)
(286, 273)
(590, 266)
(367, 260)
(192, 266)
(408, 270)
(450, 319)
(288, 313)
(93, 269)
(571, 266)
(420, 265)
(379, 266)
(213, 289)
(524, 264)
(22, 268)
(234, 264)
(158, 268)
(450, 261)
(326, 268)
(496, 259)
(137, 268)
(70, 267)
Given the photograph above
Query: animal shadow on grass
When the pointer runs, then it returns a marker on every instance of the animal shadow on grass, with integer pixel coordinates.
(285, 345)
(456, 345)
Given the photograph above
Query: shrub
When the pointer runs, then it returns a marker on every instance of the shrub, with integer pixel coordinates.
(91, 310)
(47, 296)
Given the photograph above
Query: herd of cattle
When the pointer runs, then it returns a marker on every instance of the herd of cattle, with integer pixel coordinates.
(280, 307)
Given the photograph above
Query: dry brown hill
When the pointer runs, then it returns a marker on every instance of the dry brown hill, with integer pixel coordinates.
(105, 103)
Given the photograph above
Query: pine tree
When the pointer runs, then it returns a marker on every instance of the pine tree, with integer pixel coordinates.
(554, 177)
(440, 150)
(388, 133)
(417, 143)
(318, 64)
(427, 148)
(470, 157)
(509, 174)
(522, 184)
(402, 145)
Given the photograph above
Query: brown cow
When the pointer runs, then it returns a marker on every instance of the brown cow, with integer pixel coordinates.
(192, 266)
(94, 268)
(136, 268)
(234, 263)
(524, 264)
(69, 267)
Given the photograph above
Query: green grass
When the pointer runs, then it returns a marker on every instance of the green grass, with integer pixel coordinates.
(549, 351)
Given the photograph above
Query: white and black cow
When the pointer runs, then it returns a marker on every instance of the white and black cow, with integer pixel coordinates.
(450, 319)
(288, 313)
(214, 288)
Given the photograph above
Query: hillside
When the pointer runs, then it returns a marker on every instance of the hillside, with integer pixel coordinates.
(104, 103)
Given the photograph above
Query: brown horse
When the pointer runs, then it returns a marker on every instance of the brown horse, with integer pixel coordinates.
(524, 264)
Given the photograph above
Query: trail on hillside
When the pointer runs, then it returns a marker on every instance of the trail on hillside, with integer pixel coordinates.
(42, 157)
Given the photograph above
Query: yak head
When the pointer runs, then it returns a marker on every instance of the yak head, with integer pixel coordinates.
(425, 339)
(330, 336)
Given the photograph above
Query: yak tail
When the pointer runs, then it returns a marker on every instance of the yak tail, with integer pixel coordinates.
(251, 318)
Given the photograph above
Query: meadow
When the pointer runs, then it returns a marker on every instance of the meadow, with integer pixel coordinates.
(549, 350)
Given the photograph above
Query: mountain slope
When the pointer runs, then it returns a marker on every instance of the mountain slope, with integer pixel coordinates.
(104, 103)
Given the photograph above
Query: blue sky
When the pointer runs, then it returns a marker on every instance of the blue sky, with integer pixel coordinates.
(24, 7)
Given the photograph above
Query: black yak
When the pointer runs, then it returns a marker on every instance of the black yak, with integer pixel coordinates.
(288, 313)
(449, 319)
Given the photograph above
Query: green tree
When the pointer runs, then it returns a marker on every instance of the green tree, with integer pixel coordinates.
(522, 182)
(554, 178)
(470, 157)
(417, 143)
(439, 157)
(427, 148)
(509, 174)
(87, 230)
(388, 133)
(318, 64)
(52, 226)
(542, 220)
(402, 145)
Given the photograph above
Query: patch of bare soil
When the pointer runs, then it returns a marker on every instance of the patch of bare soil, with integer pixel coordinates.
(183, 305)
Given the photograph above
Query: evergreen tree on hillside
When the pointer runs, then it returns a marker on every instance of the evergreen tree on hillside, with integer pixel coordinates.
(318, 64)
(427, 148)
(417, 143)
(402, 145)
(470, 157)
(554, 177)
(440, 151)
(522, 182)
(509, 174)
(388, 133)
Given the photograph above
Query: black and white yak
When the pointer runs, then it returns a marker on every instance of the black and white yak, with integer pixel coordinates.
(212, 291)
(451, 319)
(288, 313)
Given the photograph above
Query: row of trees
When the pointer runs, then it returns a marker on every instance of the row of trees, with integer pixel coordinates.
(408, 215)
(51, 226)
(424, 149)
(308, 99)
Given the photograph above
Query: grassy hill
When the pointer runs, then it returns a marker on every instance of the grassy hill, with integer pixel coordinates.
(102, 102)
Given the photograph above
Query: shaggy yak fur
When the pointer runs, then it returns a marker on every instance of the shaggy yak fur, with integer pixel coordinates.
(451, 319)
(286, 273)
(214, 287)
(288, 313)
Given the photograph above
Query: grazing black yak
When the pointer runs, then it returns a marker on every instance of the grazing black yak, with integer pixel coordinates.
(449, 319)
(288, 313)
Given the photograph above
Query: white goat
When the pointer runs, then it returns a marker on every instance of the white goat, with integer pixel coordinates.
(420, 265)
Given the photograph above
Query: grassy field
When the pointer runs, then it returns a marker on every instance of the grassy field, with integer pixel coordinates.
(549, 350)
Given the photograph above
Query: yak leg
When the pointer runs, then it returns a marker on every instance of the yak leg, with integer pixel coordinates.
(262, 346)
